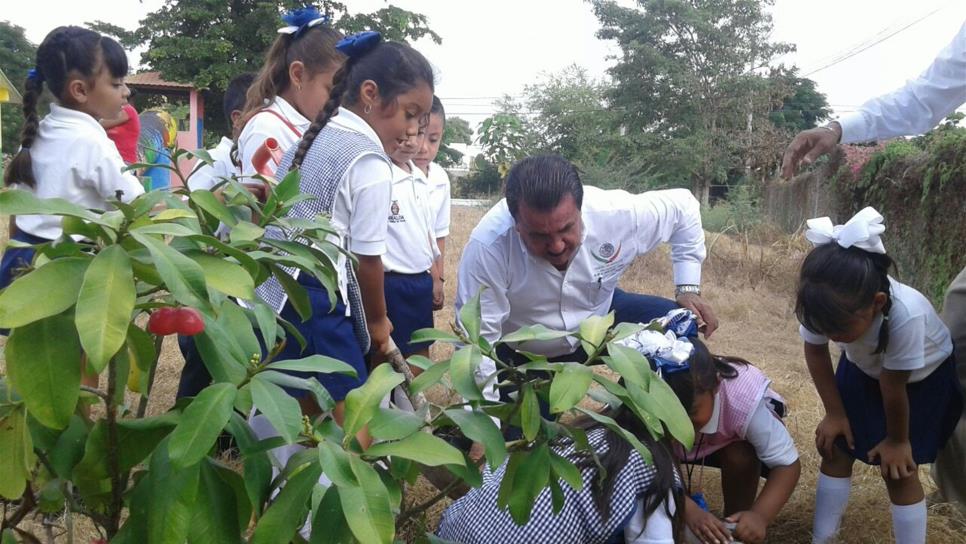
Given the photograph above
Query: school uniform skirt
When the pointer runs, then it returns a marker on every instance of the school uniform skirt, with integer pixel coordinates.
(935, 404)
(327, 332)
(17, 258)
(409, 305)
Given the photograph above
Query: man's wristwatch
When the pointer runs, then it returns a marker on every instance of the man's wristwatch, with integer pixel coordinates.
(687, 289)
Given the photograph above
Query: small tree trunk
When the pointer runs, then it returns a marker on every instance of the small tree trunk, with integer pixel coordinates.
(702, 190)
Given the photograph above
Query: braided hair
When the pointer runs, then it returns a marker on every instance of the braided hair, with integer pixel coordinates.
(394, 67)
(836, 282)
(66, 53)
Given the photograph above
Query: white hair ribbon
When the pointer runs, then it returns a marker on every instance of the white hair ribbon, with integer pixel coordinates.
(862, 231)
(306, 26)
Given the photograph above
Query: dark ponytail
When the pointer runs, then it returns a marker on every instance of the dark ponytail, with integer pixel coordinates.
(835, 282)
(394, 67)
(65, 50)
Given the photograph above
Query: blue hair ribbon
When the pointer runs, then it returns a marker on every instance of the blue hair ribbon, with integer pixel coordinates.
(34, 74)
(302, 19)
(359, 44)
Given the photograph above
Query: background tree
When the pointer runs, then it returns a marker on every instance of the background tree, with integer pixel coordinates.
(685, 81)
(456, 131)
(803, 107)
(17, 56)
(208, 42)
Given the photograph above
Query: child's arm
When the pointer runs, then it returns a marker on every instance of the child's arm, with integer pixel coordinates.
(751, 525)
(835, 423)
(895, 452)
(705, 525)
(371, 276)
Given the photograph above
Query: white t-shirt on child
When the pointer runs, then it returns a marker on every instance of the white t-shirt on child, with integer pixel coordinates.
(73, 159)
(918, 340)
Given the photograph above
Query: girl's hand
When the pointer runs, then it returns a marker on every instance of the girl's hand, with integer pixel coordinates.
(705, 525)
(438, 295)
(829, 429)
(379, 331)
(895, 459)
(749, 526)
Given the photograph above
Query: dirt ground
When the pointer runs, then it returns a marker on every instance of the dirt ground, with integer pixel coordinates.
(750, 286)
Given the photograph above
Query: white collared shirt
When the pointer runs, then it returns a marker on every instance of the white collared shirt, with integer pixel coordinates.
(439, 198)
(919, 105)
(264, 125)
(73, 159)
(918, 339)
(410, 242)
(208, 176)
(618, 226)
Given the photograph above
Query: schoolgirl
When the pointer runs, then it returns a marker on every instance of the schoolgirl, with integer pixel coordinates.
(897, 368)
(292, 86)
(439, 195)
(68, 154)
(738, 422)
(411, 250)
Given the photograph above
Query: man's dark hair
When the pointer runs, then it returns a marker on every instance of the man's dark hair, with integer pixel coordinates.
(235, 94)
(541, 183)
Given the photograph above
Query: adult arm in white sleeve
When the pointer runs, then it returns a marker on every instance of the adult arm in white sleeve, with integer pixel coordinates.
(672, 216)
(919, 105)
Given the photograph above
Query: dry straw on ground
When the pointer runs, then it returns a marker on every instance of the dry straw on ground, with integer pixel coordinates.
(750, 285)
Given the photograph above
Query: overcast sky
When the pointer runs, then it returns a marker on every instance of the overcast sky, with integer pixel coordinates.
(496, 47)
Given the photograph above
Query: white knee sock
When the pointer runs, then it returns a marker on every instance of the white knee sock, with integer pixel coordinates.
(909, 523)
(831, 498)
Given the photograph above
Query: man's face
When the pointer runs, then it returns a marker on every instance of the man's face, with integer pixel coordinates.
(551, 235)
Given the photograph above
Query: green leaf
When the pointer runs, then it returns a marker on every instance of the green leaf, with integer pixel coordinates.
(223, 357)
(208, 202)
(389, 424)
(470, 316)
(16, 453)
(216, 515)
(257, 466)
(225, 276)
(660, 401)
(297, 294)
(433, 335)
(322, 396)
(173, 495)
(184, 278)
(315, 363)
(69, 449)
(244, 231)
(363, 402)
(19, 202)
(201, 423)
(265, 317)
(428, 377)
(629, 363)
(533, 332)
(627, 435)
(530, 413)
(569, 386)
(240, 331)
(462, 370)
(480, 428)
(329, 525)
(336, 464)
(289, 509)
(367, 506)
(532, 476)
(104, 305)
(44, 364)
(59, 280)
(288, 188)
(423, 448)
(565, 470)
(282, 410)
(171, 214)
(165, 229)
(593, 330)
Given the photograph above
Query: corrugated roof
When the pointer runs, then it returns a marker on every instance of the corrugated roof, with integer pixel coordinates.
(153, 79)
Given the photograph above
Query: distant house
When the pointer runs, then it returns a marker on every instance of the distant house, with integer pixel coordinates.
(189, 131)
(8, 95)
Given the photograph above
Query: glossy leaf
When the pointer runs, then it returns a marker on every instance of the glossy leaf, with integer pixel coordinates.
(429, 377)
(16, 453)
(433, 335)
(470, 316)
(59, 280)
(104, 305)
(329, 525)
(534, 332)
(565, 470)
(529, 413)
(363, 402)
(173, 494)
(44, 364)
(629, 363)
(462, 370)
(183, 277)
(201, 424)
(569, 386)
(531, 477)
(423, 448)
(593, 330)
(225, 276)
(216, 510)
(288, 511)
(367, 506)
(279, 407)
(208, 202)
(478, 427)
(315, 363)
(392, 424)
(336, 464)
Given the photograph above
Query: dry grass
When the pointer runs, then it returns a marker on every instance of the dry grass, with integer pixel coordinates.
(750, 286)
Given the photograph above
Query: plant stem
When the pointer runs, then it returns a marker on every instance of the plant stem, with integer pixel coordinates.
(113, 462)
(429, 503)
(27, 503)
(146, 395)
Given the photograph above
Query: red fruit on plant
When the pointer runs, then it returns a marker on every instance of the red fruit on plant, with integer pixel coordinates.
(190, 322)
(163, 321)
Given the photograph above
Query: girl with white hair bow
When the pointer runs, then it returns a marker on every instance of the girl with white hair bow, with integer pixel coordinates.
(897, 367)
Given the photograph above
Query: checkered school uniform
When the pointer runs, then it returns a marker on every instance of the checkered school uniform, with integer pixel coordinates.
(322, 170)
(476, 518)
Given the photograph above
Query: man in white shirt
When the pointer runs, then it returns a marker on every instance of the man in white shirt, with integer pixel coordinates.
(551, 253)
(913, 109)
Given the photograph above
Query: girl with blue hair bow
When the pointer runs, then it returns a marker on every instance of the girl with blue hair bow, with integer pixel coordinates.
(738, 422)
